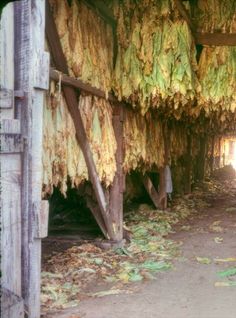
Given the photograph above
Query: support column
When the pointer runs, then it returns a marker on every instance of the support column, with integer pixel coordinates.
(202, 158)
(31, 79)
(212, 154)
(188, 171)
(116, 189)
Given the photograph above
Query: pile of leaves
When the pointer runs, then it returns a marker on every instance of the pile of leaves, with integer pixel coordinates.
(69, 276)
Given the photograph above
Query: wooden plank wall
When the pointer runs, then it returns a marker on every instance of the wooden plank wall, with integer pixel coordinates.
(10, 173)
(31, 78)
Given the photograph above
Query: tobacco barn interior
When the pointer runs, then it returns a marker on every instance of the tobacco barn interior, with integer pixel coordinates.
(138, 159)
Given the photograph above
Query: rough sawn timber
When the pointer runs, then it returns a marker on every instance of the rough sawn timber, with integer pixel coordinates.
(116, 189)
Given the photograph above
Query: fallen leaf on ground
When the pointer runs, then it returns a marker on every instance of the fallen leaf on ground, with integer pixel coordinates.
(225, 284)
(218, 239)
(185, 227)
(223, 260)
(227, 272)
(111, 292)
(203, 260)
(231, 209)
(215, 227)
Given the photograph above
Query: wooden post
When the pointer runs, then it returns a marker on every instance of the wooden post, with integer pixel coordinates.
(188, 170)
(31, 78)
(212, 154)
(10, 175)
(162, 189)
(116, 189)
(202, 158)
(72, 104)
(220, 152)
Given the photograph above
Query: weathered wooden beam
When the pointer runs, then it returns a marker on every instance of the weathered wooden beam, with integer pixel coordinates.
(212, 154)
(151, 191)
(116, 189)
(202, 158)
(77, 83)
(72, 104)
(217, 39)
(162, 189)
(188, 165)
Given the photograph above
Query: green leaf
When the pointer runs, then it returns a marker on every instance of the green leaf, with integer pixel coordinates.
(225, 284)
(227, 272)
(156, 266)
(203, 260)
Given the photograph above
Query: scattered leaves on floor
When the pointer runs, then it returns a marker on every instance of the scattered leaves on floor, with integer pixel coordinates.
(68, 275)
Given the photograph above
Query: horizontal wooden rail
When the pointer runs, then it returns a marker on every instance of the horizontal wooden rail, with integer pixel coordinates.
(217, 39)
(77, 83)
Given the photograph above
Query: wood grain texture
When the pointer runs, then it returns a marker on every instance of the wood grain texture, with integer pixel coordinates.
(29, 46)
(10, 173)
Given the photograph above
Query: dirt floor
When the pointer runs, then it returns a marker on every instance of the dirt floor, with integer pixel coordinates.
(197, 286)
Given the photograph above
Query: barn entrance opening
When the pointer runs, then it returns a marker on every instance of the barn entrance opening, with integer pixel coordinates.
(70, 220)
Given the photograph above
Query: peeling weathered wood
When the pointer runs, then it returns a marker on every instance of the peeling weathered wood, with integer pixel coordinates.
(10, 174)
(41, 214)
(29, 44)
(41, 70)
(6, 98)
(72, 104)
(12, 306)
